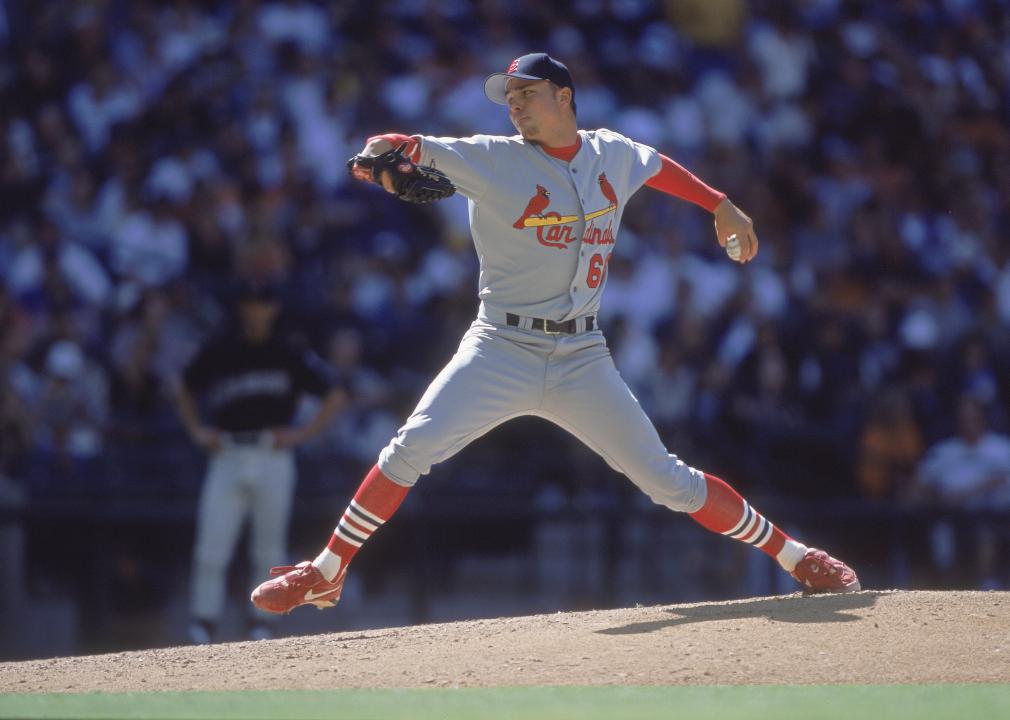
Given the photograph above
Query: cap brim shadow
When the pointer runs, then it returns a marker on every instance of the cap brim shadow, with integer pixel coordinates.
(790, 609)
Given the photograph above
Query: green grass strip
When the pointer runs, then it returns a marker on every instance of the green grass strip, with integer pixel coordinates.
(738, 702)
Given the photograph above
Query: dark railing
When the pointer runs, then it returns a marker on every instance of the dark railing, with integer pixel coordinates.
(117, 547)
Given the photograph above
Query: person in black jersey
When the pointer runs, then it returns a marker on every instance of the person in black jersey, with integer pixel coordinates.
(249, 381)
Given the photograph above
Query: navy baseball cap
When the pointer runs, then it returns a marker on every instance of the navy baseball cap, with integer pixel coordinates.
(534, 66)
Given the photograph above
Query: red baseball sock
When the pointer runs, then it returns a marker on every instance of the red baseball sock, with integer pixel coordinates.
(726, 512)
(374, 503)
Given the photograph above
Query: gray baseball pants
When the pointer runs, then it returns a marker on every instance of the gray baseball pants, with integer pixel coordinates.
(501, 372)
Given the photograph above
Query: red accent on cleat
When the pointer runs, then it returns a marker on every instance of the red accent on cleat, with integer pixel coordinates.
(300, 584)
(818, 572)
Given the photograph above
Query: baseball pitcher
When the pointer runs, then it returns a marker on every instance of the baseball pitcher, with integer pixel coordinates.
(545, 212)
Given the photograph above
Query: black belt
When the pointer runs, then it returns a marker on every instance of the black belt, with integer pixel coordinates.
(551, 327)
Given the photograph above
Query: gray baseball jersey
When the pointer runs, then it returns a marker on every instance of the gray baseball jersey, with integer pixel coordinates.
(544, 230)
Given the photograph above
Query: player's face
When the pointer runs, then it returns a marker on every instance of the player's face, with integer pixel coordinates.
(534, 107)
(258, 318)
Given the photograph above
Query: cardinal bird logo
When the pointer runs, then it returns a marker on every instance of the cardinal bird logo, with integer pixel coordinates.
(535, 207)
(607, 189)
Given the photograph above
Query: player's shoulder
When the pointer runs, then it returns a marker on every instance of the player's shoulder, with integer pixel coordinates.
(608, 136)
(482, 140)
(611, 143)
(497, 143)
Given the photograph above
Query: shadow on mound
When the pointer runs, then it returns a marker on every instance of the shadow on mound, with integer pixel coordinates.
(791, 609)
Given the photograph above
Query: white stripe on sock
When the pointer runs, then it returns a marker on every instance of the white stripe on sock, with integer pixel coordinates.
(750, 526)
(360, 520)
(768, 536)
(371, 516)
(359, 535)
(345, 537)
(743, 521)
(757, 531)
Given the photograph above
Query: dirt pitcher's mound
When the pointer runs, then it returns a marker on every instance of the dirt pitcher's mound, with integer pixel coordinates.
(867, 637)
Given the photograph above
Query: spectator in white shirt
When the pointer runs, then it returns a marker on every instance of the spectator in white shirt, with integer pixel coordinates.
(970, 471)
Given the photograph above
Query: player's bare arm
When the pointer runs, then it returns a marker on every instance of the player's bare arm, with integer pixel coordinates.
(203, 436)
(734, 229)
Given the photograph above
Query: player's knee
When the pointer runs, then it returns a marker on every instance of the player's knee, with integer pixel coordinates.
(394, 464)
(671, 482)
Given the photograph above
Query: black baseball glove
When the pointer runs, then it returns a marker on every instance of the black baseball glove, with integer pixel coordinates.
(411, 182)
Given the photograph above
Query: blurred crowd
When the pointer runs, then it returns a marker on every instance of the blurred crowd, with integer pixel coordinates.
(154, 153)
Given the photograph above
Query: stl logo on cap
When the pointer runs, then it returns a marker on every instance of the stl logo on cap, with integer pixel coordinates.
(514, 66)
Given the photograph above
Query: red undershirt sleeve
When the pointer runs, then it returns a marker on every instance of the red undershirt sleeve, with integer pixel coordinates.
(673, 179)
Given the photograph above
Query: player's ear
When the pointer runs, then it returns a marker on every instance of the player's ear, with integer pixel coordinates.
(564, 95)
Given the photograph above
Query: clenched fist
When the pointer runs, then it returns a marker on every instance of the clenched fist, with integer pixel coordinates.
(730, 221)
